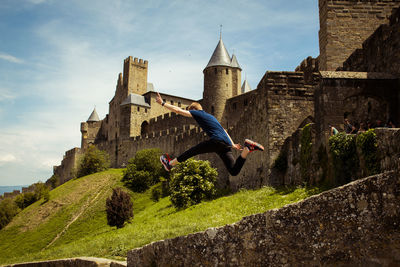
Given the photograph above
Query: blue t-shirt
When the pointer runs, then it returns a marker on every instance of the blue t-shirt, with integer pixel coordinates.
(210, 125)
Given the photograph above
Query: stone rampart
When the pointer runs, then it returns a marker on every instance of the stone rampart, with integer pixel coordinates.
(380, 52)
(168, 121)
(353, 225)
(66, 171)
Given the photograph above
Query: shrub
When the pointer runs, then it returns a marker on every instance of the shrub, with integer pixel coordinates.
(144, 170)
(25, 199)
(369, 147)
(345, 160)
(94, 160)
(119, 208)
(41, 190)
(156, 192)
(8, 209)
(191, 182)
(53, 181)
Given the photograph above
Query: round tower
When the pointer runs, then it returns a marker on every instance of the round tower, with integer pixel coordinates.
(221, 79)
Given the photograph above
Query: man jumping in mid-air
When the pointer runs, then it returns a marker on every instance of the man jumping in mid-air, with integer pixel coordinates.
(220, 142)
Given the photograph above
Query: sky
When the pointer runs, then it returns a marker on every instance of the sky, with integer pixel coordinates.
(61, 58)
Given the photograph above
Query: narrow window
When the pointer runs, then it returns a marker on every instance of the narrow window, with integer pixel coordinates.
(145, 110)
(245, 102)
(227, 71)
(179, 104)
(234, 106)
(212, 110)
(138, 108)
(215, 70)
(172, 102)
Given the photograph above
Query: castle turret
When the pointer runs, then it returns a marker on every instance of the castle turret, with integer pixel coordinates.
(90, 129)
(245, 87)
(221, 81)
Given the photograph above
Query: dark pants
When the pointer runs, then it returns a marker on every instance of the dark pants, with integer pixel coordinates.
(223, 150)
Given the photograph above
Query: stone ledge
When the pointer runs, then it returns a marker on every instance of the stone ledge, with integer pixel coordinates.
(356, 75)
(72, 262)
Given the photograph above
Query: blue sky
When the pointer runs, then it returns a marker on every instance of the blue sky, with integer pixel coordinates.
(60, 59)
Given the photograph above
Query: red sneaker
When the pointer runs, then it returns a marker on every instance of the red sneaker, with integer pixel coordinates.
(251, 145)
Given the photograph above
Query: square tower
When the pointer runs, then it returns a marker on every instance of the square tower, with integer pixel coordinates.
(346, 24)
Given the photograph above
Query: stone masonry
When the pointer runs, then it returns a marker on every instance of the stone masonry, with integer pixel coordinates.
(353, 225)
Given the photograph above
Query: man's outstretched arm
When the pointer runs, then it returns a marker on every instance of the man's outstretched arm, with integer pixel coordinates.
(173, 108)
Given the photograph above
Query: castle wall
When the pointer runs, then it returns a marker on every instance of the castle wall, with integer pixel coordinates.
(388, 155)
(359, 96)
(344, 25)
(277, 107)
(380, 52)
(66, 171)
(352, 225)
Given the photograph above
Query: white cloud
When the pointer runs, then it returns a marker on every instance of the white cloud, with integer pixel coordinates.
(7, 158)
(10, 58)
(6, 94)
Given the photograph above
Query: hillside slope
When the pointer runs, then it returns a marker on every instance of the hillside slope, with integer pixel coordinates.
(73, 223)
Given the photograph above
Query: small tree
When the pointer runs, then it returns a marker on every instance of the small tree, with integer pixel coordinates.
(119, 208)
(191, 182)
(144, 170)
(25, 199)
(8, 209)
(94, 160)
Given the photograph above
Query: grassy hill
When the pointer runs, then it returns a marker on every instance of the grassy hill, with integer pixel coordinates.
(73, 223)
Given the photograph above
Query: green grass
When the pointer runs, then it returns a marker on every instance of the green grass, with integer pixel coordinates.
(26, 237)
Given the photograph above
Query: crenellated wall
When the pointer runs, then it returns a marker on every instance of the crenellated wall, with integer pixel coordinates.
(353, 225)
(66, 171)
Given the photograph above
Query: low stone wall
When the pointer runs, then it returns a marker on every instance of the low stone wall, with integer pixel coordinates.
(73, 262)
(353, 225)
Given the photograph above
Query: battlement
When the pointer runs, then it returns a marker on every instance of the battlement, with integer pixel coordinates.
(286, 83)
(135, 61)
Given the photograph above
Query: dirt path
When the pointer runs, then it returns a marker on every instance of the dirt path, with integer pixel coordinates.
(83, 208)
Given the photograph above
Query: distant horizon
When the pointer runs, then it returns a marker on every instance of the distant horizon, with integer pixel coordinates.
(10, 188)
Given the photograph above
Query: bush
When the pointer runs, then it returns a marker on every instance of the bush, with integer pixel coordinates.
(191, 182)
(41, 190)
(144, 170)
(25, 199)
(369, 147)
(94, 160)
(345, 159)
(8, 209)
(53, 181)
(156, 192)
(119, 208)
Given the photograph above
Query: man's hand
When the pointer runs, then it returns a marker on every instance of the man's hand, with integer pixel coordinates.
(159, 99)
(237, 146)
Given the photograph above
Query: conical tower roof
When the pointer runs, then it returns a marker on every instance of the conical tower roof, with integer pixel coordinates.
(94, 116)
(234, 62)
(220, 57)
(245, 87)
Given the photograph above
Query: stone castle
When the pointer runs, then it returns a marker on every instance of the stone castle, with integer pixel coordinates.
(356, 76)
